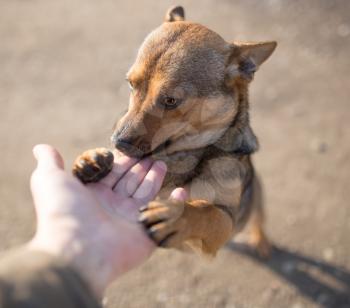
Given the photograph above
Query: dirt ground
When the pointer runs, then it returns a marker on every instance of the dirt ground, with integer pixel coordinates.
(62, 68)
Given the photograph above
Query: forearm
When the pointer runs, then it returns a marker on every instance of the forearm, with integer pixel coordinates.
(30, 278)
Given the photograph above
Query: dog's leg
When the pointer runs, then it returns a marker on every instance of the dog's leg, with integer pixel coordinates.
(257, 236)
(93, 165)
(175, 224)
(208, 220)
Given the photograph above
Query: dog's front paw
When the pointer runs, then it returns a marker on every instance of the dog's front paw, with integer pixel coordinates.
(93, 165)
(165, 222)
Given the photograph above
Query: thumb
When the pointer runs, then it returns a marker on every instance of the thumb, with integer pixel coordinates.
(179, 194)
(47, 157)
(42, 182)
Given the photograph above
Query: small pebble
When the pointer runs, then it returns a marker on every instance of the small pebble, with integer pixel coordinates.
(319, 146)
(343, 30)
(328, 254)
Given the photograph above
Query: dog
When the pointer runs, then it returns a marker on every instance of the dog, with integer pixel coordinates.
(189, 107)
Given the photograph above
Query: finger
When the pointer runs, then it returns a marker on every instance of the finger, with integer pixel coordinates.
(152, 182)
(47, 157)
(128, 184)
(179, 194)
(121, 165)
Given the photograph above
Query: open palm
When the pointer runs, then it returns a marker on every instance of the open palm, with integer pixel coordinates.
(94, 227)
(129, 185)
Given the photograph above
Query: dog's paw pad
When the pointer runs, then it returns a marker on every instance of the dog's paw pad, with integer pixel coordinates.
(93, 165)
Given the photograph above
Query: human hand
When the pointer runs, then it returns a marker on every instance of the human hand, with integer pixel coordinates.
(94, 227)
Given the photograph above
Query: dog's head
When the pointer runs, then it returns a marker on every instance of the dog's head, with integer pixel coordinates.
(188, 85)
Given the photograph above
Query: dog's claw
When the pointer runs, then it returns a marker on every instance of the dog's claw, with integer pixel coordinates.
(143, 220)
(143, 208)
(163, 222)
(150, 234)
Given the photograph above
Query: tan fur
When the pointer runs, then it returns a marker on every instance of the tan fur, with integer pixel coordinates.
(189, 108)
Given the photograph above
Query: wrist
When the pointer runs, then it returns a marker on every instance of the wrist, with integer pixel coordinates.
(96, 273)
(100, 258)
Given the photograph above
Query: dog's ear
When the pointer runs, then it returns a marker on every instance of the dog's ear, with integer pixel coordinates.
(247, 57)
(175, 13)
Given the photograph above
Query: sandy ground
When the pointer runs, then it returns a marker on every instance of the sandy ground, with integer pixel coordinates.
(62, 68)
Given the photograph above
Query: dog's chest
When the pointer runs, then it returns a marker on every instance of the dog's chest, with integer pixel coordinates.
(181, 166)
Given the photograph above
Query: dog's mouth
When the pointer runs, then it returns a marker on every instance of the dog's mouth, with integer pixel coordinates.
(142, 151)
(160, 148)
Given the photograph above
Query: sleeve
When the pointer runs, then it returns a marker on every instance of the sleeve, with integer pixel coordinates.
(37, 280)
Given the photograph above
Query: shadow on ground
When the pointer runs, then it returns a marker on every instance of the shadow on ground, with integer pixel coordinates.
(324, 283)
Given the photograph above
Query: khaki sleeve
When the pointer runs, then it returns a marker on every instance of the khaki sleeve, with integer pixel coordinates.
(36, 279)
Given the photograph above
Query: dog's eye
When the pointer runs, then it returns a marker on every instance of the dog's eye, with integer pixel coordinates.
(170, 102)
(131, 86)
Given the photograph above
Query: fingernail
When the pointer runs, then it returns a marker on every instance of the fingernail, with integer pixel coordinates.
(35, 151)
(161, 165)
(179, 194)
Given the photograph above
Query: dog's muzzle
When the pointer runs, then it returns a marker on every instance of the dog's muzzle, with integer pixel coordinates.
(129, 146)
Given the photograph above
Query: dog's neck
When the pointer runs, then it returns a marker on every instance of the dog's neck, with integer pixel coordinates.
(238, 140)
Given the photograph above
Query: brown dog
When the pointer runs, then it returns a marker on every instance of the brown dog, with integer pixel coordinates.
(189, 108)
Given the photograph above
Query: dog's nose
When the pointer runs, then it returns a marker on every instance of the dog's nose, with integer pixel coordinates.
(118, 139)
(131, 146)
